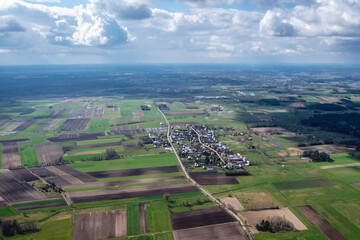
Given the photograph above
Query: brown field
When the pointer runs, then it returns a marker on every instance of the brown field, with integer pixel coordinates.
(133, 172)
(227, 231)
(57, 115)
(10, 155)
(138, 114)
(267, 129)
(213, 178)
(92, 146)
(72, 137)
(42, 172)
(24, 125)
(321, 223)
(46, 205)
(13, 125)
(85, 153)
(74, 125)
(327, 149)
(199, 218)
(255, 217)
(24, 174)
(13, 190)
(80, 175)
(184, 113)
(125, 130)
(100, 225)
(276, 111)
(184, 123)
(50, 125)
(130, 192)
(143, 222)
(49, 153)
(62, 174)
(233, 203)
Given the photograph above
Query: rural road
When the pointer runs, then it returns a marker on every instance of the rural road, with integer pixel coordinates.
(208, 146)
(198, 185)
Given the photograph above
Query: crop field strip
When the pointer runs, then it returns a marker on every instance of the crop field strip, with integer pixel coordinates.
(100, 225)
(110, 144)
(3, 122)
(84, 153)
(50, 125)
(13, 126)
(24, 125)
(302, 184)
(49, 153)
(14, 190)
(131, 192)
(143, 222)
(133, 172)
(10, 155)
(200, 218)
(24, 174)
(213, 178)
(74, 125)
(321, 223)
(44, 205)
(227, 231)
(57, 114)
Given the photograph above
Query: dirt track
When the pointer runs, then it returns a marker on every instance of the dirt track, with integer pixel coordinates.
(228, 231)
(321, 223)
(10, 155)
(100, 225)
(133, 172)
(199, 218)
(255, 217)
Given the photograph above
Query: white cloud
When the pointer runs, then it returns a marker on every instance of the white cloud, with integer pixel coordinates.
(9, 23)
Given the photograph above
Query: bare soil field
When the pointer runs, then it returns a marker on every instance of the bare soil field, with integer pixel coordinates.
(74, 125)
(227, 231)
(233, 203)
(255, 217)
(92, 146)
(13, 190)
(80, 175)
(24, 175)
(50, 125)
(100, 225)
(71, 137)
(145, 180)
(123, 130)
(57, 115)
(13, 125)
(213, 178)
(10, 155)
(184, 123)
(133, 172)
(85, 153)
(328, 149)
(293, 152)
(24, 125)
(62, 174)
(199, 218)
(42, 172)
(49, 153)
(276, 111)
(143, 222)
(267, 129)
(184, 113)
(321, 223)
(46, 205)
(130, 192)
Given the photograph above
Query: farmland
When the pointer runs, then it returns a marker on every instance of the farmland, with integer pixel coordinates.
(100, 164)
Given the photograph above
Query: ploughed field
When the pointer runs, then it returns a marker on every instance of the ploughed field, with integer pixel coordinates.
(213, 178)
(49, 153)
(133, 172)
(74, 125)
(10, 155)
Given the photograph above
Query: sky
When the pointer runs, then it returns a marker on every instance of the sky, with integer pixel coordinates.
(179, 31)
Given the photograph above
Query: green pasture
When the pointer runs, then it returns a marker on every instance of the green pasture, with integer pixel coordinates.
(133, 219)
(158, 217)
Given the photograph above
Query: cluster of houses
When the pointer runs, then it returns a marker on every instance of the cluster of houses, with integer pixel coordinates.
(191, 149)
(159, 140)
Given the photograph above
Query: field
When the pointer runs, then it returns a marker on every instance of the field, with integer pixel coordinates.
(49, 153)
(157, 215)
(100, 225)
(213, 178)
(10, 155)
(133, 172)
(303, 183)
(199, 218)
(74, 125)
(321, 223)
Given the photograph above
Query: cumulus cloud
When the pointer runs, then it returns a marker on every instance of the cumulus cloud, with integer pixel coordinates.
(10, 24)
(323, 18)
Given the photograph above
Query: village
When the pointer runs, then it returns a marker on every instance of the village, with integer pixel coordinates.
(198, 146)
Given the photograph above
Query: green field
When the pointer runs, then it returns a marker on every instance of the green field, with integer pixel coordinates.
(303, 183)
(158, 218)
(160, 160)
(28, 155)
(133, 219)
(38, 203)
(346, 174)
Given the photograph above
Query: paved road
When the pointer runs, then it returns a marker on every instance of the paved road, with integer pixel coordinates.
(198, 185)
